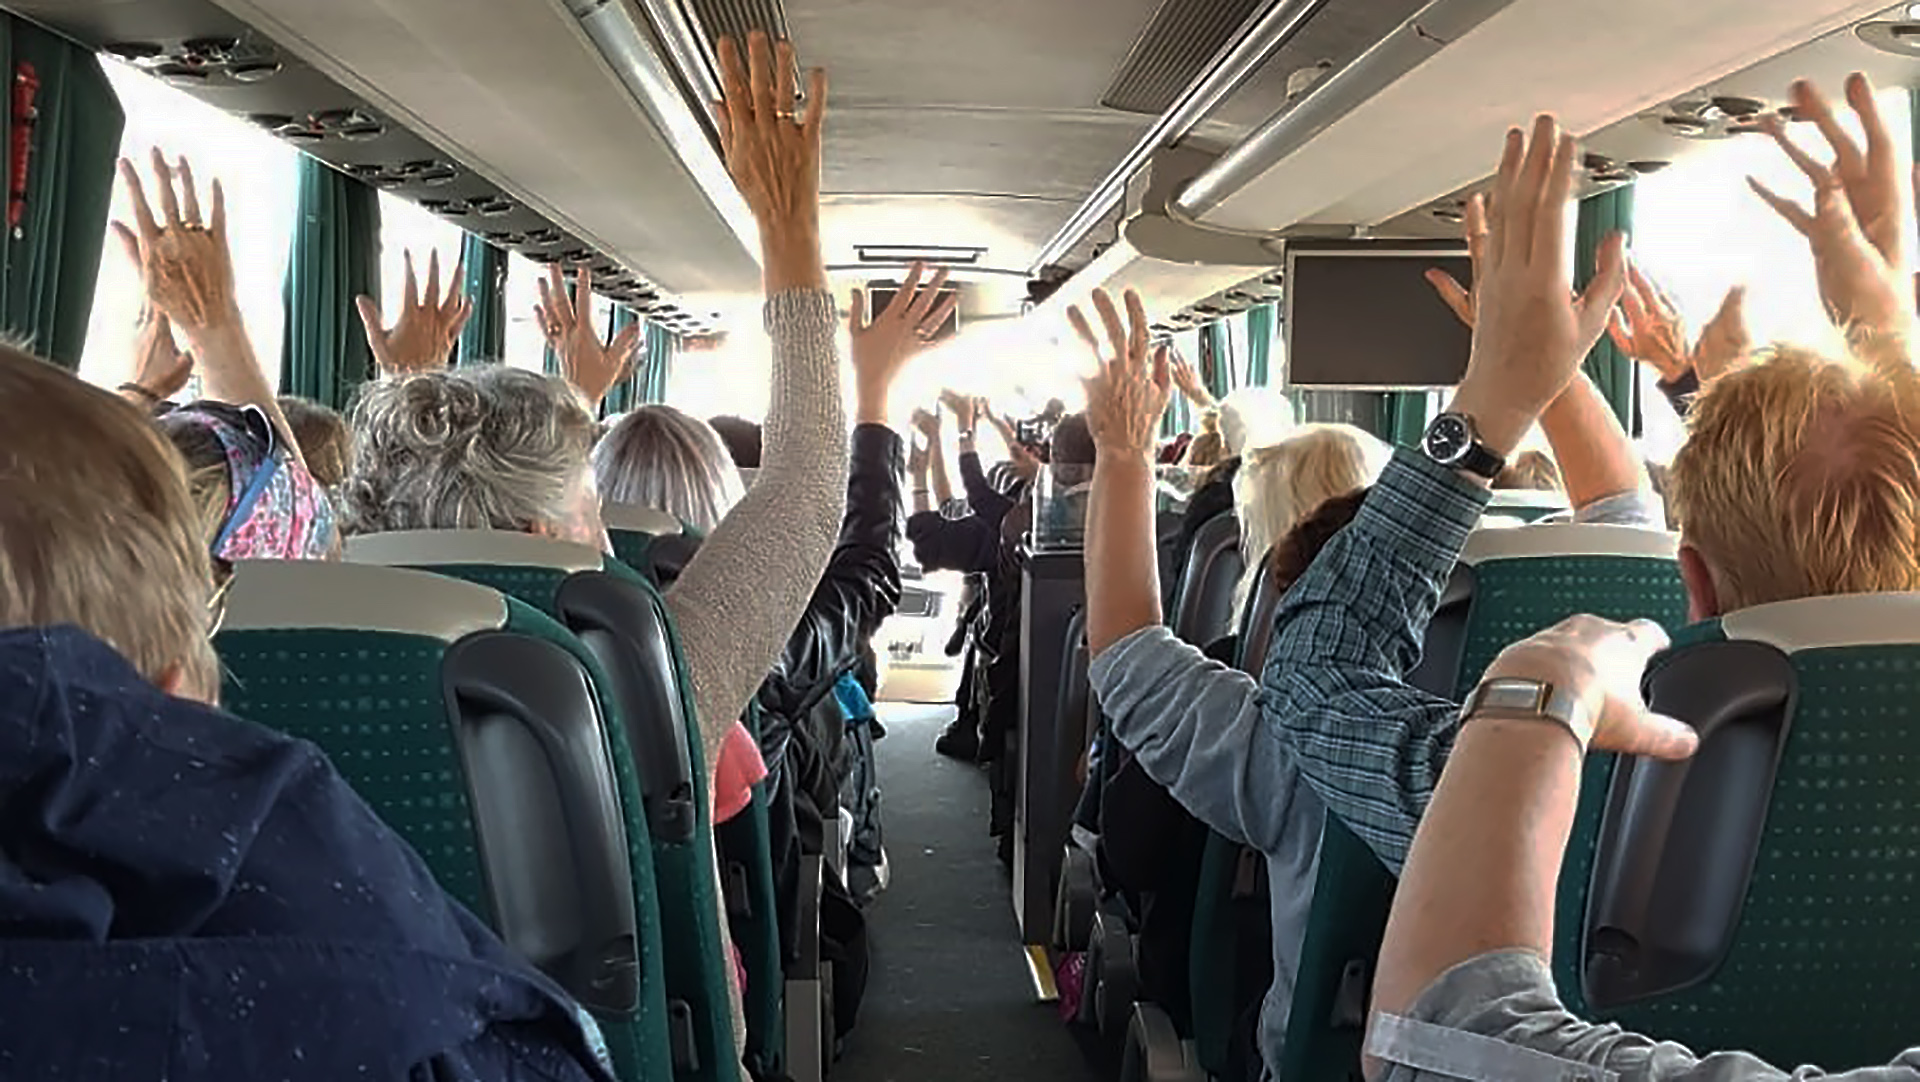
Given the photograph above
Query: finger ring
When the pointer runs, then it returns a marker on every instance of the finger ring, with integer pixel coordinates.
(786, 114)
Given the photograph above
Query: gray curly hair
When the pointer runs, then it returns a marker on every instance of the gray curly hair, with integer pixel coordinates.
(467, 449)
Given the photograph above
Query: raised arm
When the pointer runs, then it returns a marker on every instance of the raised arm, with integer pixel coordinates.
(186, 265)
(740, 596)
(423, 337)
(591, 365)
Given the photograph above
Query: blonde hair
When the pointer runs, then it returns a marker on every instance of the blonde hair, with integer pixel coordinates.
(660, 457)
(1278, 486)
(1254, 417)
(1800, 477)
(1530, 471)
(1209, 447)
(490, 448)
(97, 528)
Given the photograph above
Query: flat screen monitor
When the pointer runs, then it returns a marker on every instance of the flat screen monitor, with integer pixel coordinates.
(1361, 315)
(881, 294)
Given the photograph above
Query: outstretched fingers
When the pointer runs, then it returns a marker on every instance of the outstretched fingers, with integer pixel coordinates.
(1602, 295)
(137, 198)
(189, 194)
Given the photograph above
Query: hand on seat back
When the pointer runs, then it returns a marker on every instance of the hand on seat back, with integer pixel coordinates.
(592, 367)
(1857, 228)
(422, 339)
(1531, 332)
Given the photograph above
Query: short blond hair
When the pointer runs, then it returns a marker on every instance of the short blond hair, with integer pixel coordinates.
(97, 528)
(1531, 471)
(1278, 486)
(1800, 477)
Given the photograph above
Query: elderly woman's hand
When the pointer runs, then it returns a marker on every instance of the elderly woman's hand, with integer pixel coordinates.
(1127, 397)
(567, 322)
(422, 338)
(773, 154)
(184, 263)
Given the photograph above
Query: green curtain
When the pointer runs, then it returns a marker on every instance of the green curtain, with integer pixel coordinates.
(335, 258)
(620, 396)
(52, 260)
(485, 338)
(1259, 344)
(1403, 417)
(655, 366)
(1612, 371)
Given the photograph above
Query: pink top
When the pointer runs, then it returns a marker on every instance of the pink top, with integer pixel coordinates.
(740, 769)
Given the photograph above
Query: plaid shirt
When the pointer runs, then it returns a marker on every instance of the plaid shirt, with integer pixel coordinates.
(1350, 630)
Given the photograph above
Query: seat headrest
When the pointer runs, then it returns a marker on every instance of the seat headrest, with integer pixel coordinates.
(1817, 622)
(627, 516)
(498, 547)
(1531, 499)
(1507, 543)
(278, 595)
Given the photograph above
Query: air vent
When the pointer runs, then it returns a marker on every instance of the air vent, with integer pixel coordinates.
(1176, 46)
(734, 18)
(1898, 38)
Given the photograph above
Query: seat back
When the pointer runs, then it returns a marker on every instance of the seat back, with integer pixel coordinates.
(617, 625)
(1526, 504)
(452, 712)
(1204, 611)
(1256, 624)
(1352, 895)
(1511, 583)
(1779, 857)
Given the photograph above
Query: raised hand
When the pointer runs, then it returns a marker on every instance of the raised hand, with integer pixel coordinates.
(1456, 296)
(1531, 331)
(1857, 228)
(1128, 395)
(1602, 662)
(1647, 327)
(883, 344)
(161, 367)
(927, 423)
(773, 154)
(1724, 344)
(184, 262)
(422, 339)
(567, 322)
(1188, 380)
(962, 407)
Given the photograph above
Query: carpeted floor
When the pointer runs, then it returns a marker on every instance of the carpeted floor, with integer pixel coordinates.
(949, 999)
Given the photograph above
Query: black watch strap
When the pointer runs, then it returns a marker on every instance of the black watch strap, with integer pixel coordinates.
(1476, 459)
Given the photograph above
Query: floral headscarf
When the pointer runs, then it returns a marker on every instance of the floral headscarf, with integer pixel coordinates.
(275, 509)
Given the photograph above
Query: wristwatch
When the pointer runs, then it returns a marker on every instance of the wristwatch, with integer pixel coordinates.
(1453, 442)
(1534, 700)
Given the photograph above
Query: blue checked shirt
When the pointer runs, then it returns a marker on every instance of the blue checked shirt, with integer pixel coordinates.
(1349, 631)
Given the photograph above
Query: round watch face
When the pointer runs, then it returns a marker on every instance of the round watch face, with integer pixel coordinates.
(1448, 439)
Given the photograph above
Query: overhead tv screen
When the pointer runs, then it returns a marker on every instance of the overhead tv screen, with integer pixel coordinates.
(1361, 315)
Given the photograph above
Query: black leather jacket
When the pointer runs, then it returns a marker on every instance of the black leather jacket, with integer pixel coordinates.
(859, 589)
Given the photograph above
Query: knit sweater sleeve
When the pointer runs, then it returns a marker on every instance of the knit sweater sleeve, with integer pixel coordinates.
(739, 598)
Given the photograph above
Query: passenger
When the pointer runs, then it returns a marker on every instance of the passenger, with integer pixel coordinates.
(1530, 471)
(1250, 417)
(659, 457)
(742, 438)
(325, 441)
(1280, 485)
(173, 874)
(1223, 744)
(1800, 478)
(1209, 447)
(1648, 329)
(246, 472)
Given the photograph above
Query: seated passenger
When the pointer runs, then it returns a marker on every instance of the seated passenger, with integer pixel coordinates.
(170, 876)
(1224, 745)
(325, 441)
(1209, 447)
(742, 438)
(1278, 486)
(246, 471)
(1531, 471)
(658, 457)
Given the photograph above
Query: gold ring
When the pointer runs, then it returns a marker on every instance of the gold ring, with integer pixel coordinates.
(786, 114)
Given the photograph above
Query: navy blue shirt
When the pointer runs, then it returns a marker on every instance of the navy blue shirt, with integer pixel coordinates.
(187, 895)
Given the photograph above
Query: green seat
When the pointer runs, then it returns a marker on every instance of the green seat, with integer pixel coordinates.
(461, 720)
(1765, 895)
(1509, 584)
(1526, 505)
(645, 688)
(654, 543)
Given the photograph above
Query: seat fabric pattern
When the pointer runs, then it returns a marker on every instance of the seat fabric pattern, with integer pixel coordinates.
(1825, 963)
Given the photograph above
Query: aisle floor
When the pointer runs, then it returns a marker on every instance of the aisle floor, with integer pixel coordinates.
(949, 999)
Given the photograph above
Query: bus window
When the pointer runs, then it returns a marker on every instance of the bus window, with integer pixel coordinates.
(405, 227)
(259, 177)
(1698, 230)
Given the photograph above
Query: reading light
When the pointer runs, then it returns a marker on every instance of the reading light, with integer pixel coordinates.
(937, 254)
